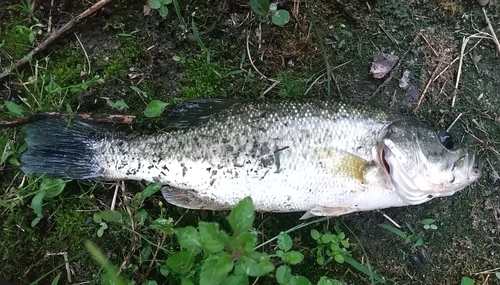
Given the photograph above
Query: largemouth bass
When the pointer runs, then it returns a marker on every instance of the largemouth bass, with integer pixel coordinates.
(323, 157)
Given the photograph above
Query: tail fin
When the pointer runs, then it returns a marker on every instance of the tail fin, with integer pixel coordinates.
(61, 149)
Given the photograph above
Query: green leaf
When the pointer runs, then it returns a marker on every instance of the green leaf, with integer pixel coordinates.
(394, 230)
(35, 221)
(100, 231)
(111, 216)
(155, 108)
(235, 279)
(119, 105)
(6, 155)
(256, 268)
(246, 241)
(14, 161)
(141, 216)
(339, 258)
(164, 270)
(293, 257)
(56, 280)
(139, 91)
(149, 282)
(326, 281)
(36, 203)
(346, 32)
(154, 4)
(283, 274)
(361, 268)
(299, 280)
(181, 262)
(320, 260)
(188, 237)
(97, 218)
(52, 187)
(281, 17)
(212, 239)
(163, 11)
(427, 221)
(111, 271)
(215, 269)
(284, 241)
(164, 225)
(497, 274)
(466, 281)
(14, 109)
(69, 110)
(315, 234)
(327, 238)
(419, 242)
(150, 190)
(242, 216)
(260, 7)
(185, 281)
(345, 243)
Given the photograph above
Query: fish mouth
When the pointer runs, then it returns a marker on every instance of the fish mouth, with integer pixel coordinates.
(421, 187)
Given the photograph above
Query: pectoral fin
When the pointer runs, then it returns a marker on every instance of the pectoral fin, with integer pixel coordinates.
(328, 211)
(343, 164)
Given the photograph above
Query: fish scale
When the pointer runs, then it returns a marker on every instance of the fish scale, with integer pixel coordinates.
(322, 157)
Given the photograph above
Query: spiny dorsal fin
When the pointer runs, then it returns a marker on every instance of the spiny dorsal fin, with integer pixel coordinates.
(191, 113)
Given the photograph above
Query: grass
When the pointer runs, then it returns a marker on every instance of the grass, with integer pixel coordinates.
(141, 240)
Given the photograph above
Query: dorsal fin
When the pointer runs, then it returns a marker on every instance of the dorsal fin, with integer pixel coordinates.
(191, 113)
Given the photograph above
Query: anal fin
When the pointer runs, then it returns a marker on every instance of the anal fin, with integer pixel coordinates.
(322, 211)
(191, 199)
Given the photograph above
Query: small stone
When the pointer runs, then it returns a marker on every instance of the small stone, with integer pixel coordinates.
(382, 64)
(483, 2)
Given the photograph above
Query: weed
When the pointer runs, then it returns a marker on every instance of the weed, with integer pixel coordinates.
(266, 10)
(428, 224)
(160, 6)
(414, 237)
(290, 87)
(155, 108)
(119, 105)
(331, 246)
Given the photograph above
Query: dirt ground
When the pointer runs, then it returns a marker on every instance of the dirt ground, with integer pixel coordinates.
(129, 45)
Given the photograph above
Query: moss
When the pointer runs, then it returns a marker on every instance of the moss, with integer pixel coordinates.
(67, 65)
(16, 40)
(204, 80)
(290, 86)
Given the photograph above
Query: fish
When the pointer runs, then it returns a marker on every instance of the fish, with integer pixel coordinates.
(321, 157)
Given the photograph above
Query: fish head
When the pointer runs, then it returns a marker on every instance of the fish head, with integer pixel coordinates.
(422, 163)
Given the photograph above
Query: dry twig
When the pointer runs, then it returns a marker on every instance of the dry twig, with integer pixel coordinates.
(427, 87)
(97, 118)
(492, 31)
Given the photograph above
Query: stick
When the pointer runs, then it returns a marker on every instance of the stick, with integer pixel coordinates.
(69, 25)
(97, 118)
(426, 88)
(490, 27)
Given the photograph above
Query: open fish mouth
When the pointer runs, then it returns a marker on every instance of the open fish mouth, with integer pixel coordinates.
(424, 183)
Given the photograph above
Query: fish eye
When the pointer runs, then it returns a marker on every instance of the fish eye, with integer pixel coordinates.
(446, 139)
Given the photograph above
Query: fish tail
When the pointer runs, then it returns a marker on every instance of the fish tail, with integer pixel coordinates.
(61, 148)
